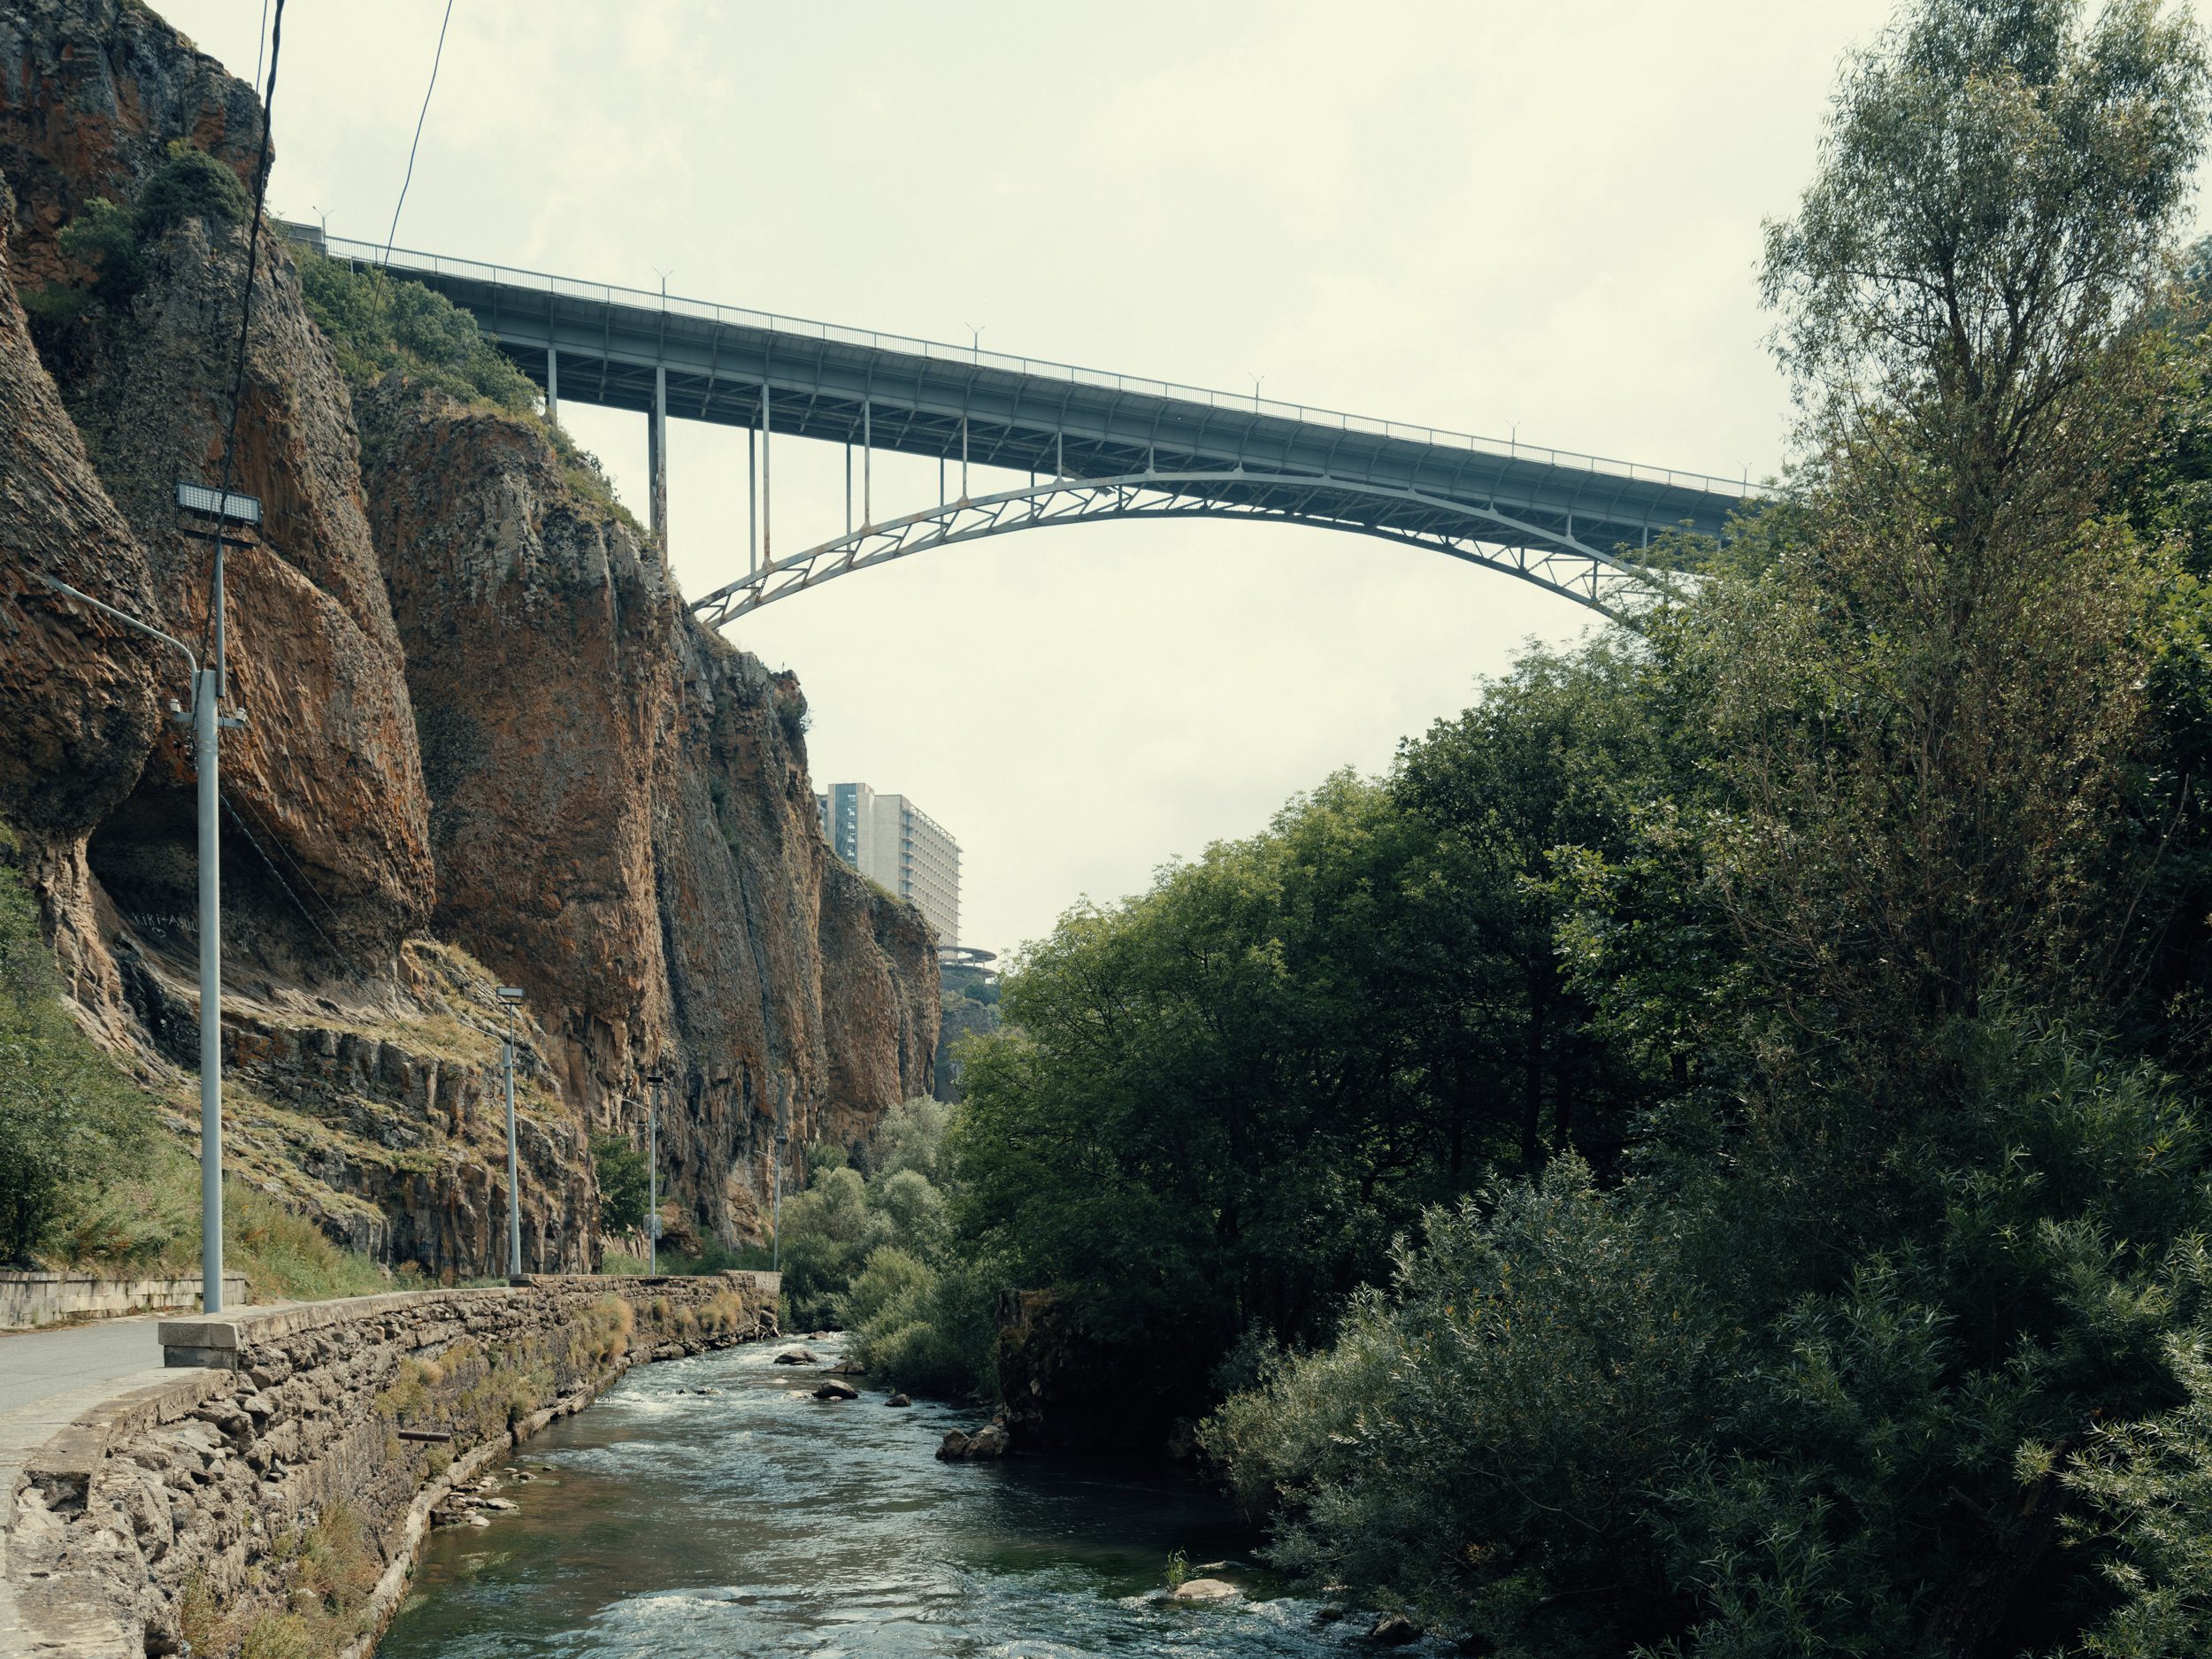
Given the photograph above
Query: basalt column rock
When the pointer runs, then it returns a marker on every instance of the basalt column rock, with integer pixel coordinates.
(92, 92)
(537, 650)
(622, 818)
(324, 774)
(80, 690)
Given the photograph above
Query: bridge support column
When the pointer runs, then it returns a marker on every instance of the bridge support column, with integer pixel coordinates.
(552, 386)
(656, 460)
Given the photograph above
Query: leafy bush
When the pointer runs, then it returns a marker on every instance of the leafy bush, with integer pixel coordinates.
(378, 323)
(829, 1232)
(911, 1136)
(191, 184)
(110, 240)
(870, 1252)
(1482, 1443)
(105, 238)
(71, 1122)
(924, 1329)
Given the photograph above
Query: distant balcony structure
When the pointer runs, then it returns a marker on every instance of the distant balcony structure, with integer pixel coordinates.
(897, 845)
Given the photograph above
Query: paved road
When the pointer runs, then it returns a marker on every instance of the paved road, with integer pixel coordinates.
(34, 1365)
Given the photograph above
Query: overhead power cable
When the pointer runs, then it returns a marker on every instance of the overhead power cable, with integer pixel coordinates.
(436, 59)
(212, 625)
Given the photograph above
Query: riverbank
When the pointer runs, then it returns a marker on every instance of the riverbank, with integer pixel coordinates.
(275, 1480)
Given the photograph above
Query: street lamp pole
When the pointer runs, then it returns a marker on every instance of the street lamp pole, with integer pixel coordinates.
(510, 994)
(653, 1174)
(775, 1214)
(208, 723)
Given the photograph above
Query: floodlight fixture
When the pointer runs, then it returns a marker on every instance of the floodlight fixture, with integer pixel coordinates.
(215, 504)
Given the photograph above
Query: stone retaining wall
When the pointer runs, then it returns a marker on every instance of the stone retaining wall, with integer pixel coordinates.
(28, 1300)
(262, 1492)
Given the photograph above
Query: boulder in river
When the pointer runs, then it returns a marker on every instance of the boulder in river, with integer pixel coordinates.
(898, 1400)
(1394, 1629)
(834, 1389)
(1206, 1590)
(987, 1442)
(796, 1356)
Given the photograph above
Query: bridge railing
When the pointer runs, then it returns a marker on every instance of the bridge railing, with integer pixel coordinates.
(674, 305)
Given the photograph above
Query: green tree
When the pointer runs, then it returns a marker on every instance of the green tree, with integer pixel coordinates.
(624, 1183)
(1550, 764)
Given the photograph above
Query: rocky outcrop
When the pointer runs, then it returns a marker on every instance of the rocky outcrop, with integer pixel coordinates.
(92, 92)
(480, 721)
(325, 771)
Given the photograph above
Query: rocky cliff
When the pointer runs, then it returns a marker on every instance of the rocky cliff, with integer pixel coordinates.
(624, 822)
(485, 737)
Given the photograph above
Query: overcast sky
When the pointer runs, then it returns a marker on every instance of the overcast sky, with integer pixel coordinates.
(1498, 218)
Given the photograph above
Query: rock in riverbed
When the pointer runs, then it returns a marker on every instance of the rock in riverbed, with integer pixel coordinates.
(1394, 1629)
(898, 1400)
(1205, 1590)
(796, 1356)
(834, 1389)
(986, 1443)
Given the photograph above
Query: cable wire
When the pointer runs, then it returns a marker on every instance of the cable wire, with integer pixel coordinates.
(435, 59)
(299, 871)
(344, 961)
(212, 627)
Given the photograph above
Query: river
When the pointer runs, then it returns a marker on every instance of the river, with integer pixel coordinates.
(754, 1519)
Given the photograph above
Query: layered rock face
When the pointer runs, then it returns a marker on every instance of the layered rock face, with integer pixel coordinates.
(482, 728)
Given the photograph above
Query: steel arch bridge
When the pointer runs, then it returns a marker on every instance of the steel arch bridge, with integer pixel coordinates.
(1605, 583)
(1096, 445)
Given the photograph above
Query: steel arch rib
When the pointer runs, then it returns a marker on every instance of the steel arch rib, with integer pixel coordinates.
(1542, 557)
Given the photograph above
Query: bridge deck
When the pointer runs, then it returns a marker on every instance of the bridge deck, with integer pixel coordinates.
(919, 397)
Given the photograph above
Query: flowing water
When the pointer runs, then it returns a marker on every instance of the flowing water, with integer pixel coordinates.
(756, 1520)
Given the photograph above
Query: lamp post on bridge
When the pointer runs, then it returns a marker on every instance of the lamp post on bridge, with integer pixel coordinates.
(509, 997)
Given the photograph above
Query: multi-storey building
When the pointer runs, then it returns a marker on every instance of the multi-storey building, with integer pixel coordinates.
(890, 839)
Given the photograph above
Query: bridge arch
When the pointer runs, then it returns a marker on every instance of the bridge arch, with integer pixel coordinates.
(1610, 583)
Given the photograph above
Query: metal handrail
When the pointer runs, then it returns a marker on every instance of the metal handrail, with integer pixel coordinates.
(607, 293)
